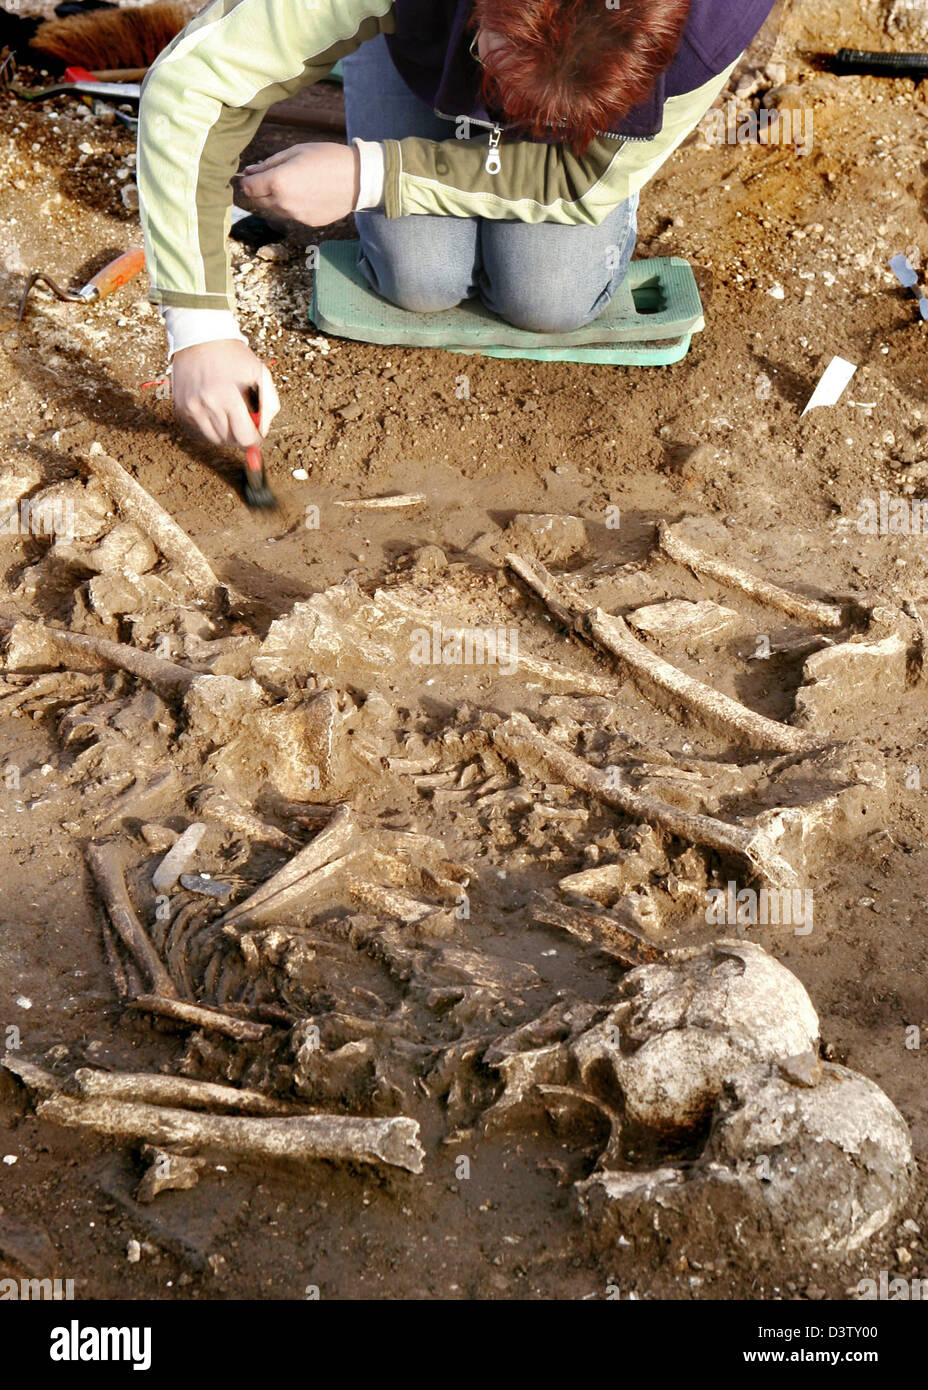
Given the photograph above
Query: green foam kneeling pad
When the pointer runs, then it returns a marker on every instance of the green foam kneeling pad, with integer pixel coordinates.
(649, 322)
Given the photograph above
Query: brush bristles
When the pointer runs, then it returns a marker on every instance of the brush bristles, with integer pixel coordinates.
(112, 38)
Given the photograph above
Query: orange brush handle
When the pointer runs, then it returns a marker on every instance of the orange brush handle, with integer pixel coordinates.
(253, 453)
(116, 274)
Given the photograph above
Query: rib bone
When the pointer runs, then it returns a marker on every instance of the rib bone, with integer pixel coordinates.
(202, 1016)
(105, 865)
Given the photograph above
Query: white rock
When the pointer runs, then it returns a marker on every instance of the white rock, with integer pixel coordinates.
(680, 617)
(178, 858)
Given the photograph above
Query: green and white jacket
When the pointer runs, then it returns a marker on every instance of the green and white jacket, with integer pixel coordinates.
(205, 97)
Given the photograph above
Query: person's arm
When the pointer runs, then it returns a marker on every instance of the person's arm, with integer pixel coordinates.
(201, 104)
(536, 182)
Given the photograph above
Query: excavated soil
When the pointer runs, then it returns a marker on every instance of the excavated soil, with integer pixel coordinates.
(790, 250)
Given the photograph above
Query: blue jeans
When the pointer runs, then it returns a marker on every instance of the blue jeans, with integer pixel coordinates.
(542, 276)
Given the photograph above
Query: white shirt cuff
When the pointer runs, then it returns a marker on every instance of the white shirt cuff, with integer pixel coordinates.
(372, 174)
(188, 327)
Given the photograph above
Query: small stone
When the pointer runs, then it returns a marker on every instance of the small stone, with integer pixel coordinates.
(133, 1252)
(350, 411)
(805, 1069)
(206, 886)
(777, 292)
(300, 474)
(784, 96)
(112, 595)
(903, 1255)
(158, 837)
(23, 1002)
(431, 559)
(275, 251)
(167, 1172)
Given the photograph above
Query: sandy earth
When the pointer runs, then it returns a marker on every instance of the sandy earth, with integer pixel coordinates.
(717, 437)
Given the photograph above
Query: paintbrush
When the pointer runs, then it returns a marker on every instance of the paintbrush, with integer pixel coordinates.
(257, 492)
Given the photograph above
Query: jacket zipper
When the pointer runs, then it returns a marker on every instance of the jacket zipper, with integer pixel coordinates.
(493, 162)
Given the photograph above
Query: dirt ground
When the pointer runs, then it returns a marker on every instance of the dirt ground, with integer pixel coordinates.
(790, 250)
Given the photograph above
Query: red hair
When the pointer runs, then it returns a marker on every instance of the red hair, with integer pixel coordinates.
(575, 64)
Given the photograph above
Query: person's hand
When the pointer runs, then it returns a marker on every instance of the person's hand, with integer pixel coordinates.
(315, 184)
(212, 383)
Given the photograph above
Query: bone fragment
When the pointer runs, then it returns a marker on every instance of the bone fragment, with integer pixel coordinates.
(140, 507)
(298, 877)
(202, 1016)
(717, 711)
(34, 1078)
(597, 929)
(522, 743)
(810, 610)
(151, 1088)
(217, 807)
(400, 905)
(34, 644)
(372, 504)
(339, 1138)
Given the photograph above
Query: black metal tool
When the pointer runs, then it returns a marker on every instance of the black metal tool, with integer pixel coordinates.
(851, 61)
